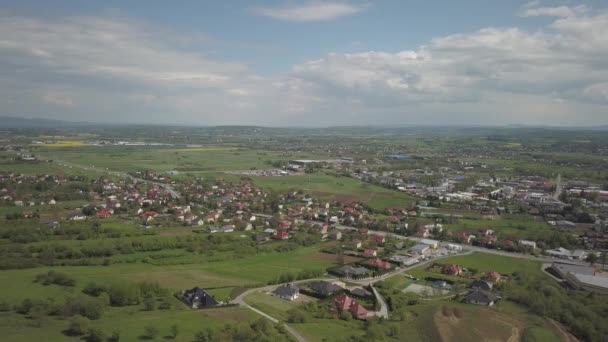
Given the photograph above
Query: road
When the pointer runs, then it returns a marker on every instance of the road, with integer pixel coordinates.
(471, 248)
(383, 306)
(240, 300)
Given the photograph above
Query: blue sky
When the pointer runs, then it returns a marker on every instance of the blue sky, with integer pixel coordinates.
(310, 63)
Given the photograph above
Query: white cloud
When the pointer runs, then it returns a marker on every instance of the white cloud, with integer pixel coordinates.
(115, 69)
(559, 11)
(311, 11)
(58, 99)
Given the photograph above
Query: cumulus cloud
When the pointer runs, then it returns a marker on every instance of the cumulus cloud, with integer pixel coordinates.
(312, 11)
(568, 61)
(116, 69)
(58, 99)
(558, 11)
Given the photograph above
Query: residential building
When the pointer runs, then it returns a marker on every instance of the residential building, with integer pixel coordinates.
(288, 292)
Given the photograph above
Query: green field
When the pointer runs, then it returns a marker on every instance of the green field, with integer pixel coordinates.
(138, 158)
(130, 321)
(482, 262)
(342, 189)
(274, 306)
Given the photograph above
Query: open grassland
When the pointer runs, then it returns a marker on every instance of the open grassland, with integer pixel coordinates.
(483, 262)
(274, 306)
(258, 269)
(130, 322)
(138, 158)
(332, 188)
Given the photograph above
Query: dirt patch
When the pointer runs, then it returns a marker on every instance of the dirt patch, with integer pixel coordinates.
(495, 327)
(332, 257)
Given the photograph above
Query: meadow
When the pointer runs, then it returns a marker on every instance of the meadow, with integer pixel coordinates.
(332, 188)
(154, 158)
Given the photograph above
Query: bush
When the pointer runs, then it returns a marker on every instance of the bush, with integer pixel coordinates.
(90, 308)
(78, 325)
(115, 337)
(96, 335)
(54, 277)
(149, 303)
(174, 331)
(124, 294)
(150, 332)
(5, 307)
(93, 289)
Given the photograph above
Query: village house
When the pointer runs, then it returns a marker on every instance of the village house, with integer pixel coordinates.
(370, 253)
(452, 269)
(281, 235)
(481, 297)
(379, 264)
(344, 303)
(198, 297)
(481, 284)
(325, 288)
(288, 292)
(493, 276)
(354, 272)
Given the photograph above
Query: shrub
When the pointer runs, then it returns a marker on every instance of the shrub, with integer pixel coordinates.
(54, 277)
(78, 325)
(96, 335)
(150, 332)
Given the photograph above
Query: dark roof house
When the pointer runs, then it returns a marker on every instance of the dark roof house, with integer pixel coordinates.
(481, 284)
(481, 297)
(288, 291)
(325, 288)
(198, 297)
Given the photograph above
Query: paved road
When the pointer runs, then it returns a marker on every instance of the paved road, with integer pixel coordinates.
(471, 248)
(240, 300)
(383, 306)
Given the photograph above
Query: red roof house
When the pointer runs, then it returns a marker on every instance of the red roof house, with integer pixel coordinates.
(369, 253)
(343, 302)
(378, 239)
(346, 303)
(282, 235)
(452, 269)
(493, 276)
(379, 264)
(358, 311)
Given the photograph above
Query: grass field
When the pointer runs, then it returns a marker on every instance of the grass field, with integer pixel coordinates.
(138, 158)
(259, 269)
(343, 189)
(274, 306)
(17, 328)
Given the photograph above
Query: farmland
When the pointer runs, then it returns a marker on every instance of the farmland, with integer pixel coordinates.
(342, 189)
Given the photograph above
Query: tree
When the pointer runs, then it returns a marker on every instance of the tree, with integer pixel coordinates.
(174, 331)
(115, 337)
(149, 303)
(150, 332)
(78, 325)
(204, 336)
(591, 258)
(96, 335)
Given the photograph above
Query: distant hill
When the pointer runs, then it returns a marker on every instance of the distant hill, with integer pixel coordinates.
(13, 122)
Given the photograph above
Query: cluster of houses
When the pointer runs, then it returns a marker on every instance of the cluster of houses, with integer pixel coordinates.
(324, 289)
